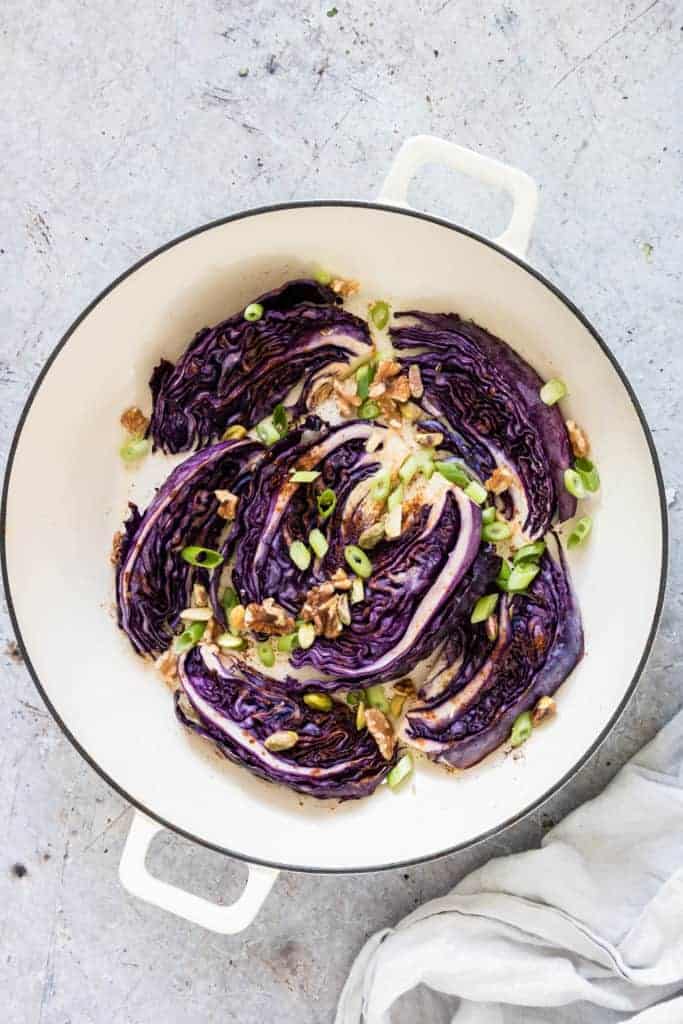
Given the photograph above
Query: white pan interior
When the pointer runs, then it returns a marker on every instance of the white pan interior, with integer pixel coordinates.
(68, 491)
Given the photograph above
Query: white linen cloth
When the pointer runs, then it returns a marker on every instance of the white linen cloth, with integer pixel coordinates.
(589, 926)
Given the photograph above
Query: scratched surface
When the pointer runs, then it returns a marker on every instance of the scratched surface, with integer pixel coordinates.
(124, 125)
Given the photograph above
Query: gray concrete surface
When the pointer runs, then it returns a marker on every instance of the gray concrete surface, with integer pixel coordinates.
(124, 125)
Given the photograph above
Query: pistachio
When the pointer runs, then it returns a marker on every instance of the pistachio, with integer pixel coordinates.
(318, 701)
(371, 536)
(545, 708)
(200, 597)
(430, 440)
(196, 614)
(285, 739)
(415, 381)
(343, 610)
(236, 617)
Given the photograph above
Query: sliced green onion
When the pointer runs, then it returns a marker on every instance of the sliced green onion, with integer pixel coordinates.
(230, 642)
(288, 643)
(380, 485)
(529, 552)
(521, 576)
(229, 599)
(234, 433)
(253, 312)
(358, 561)
(574, 484)
(521, 729)
(483, 608)
(476, 493)
(322, 276)
(401, 770)
(488, 515)
(207, 558)
(504, 574)
(354, 697)
(300, 555)
(318, 542)
(364, 377)
(189, 637)
(368, 410)
(395, 498)
(357, 590)
(360, 716)
(318, 701)
(371, 536)
(553, 391)
(588, 473)
(379, 314)
(494, 532)
(285, 739)
(267, 432)
(306, 635)
(304, 476)
(327, 502)
(453, 473)
(418, 462)
(134, 449)
(377, 698)
(280, 419)
(582, 527)
(266, 653)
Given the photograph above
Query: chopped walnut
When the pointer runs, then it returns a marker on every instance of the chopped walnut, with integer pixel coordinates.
(500, 480)
(386, 369)
(321, 392)
(322, 609)
(379, 727)
(374, 441)
(377, 389)
(200, 597)
(405, 686)
(399, 389)
(236, 617)
(390, 410)
(341, 580)
(167, 663)
(347, 400)
(578, 439)
(134, 421)
(227, 508)
(269, 618)
(545, 709)
(116, 547)
(415, 381)
(343, 287)
(431, 440)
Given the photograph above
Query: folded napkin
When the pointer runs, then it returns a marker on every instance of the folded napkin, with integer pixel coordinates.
(588, 928)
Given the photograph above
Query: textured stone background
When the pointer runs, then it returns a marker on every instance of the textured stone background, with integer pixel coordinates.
(125, 124)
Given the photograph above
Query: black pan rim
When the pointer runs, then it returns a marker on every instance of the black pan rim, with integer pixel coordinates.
(507, 823)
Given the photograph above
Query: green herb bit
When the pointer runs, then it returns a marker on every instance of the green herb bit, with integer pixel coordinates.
(504, 574)
(453, 473)
(364, 378)
(360, 716)
(354, 697)
(234, 433)
(253, 312)
(322, 276)
(304, 476)
(582, 528)
(521, 576)
(553, 391)
(371, 536)
(230, 642)
(494, 532)
(379, 314)
(521, 729)
(377, 698)
(530, 552)
(300, 555)
(306, 635)
(206, 558)
(266, 653)
(189, 637)
(267, 432)
(280, 419)
(588, 473)
(358, 561)
(369, 410)
(476, 493)
(134, 449)
(380, 485)
(288, 643)
(401, 770)
(574, 484)
(483, 608)
(318, 701)
(318, 542)
(327, 502)
(229, 599)
(488, 515)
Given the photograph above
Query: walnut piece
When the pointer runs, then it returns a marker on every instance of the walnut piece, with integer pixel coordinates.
(380, 729)
(343, 287)
(386, 369)
(500, 480)
(321, 392)
(415, 381)
(347, 399)
(227, 509)
(269, 618)
(431, 440)
(236, 617)
(399, 389)
(405, 687)
(340, 579)
(116, 547)
(167, 663)
(134, 421)
(578, 440)
(545, 709)
(322, 608)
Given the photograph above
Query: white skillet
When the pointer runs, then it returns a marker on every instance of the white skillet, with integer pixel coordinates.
(66, 492)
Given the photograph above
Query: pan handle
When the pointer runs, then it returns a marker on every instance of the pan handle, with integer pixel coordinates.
(427, 149)
(137, 880)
